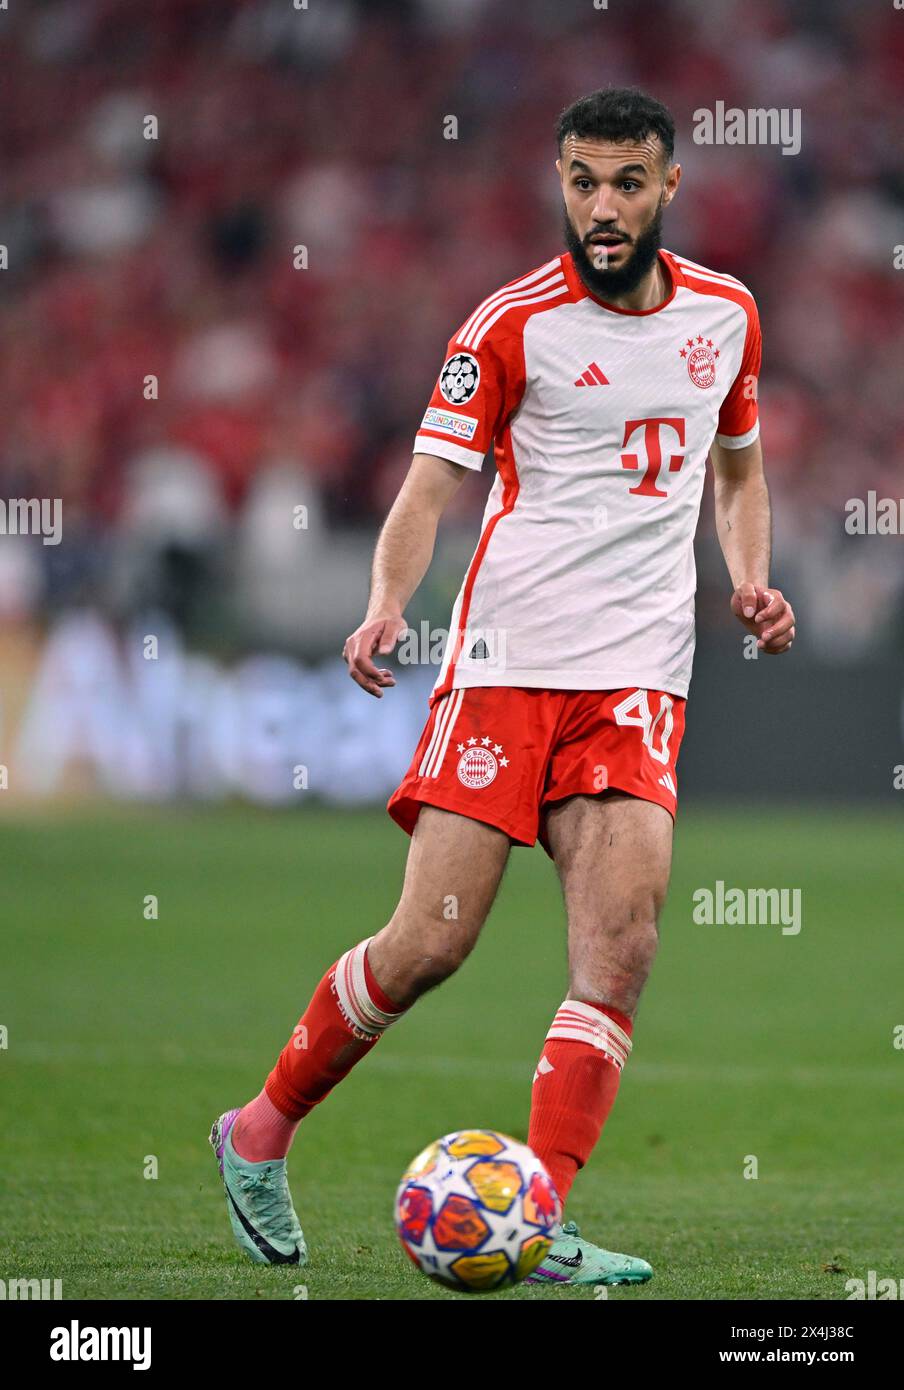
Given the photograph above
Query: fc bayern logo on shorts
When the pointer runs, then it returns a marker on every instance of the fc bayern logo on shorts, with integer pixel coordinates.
(700, 356)
(479, 762)
(459, 378)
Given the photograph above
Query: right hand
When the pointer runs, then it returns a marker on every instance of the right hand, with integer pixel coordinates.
(379, 635)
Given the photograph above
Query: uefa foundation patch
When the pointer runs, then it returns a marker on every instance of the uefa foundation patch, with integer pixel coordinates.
(448, 422)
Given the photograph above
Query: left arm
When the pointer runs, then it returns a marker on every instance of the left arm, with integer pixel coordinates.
(744, 528)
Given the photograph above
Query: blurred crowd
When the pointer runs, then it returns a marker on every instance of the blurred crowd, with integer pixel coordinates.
(238, 241)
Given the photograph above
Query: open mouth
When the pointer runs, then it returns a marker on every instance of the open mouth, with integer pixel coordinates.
(608, 240)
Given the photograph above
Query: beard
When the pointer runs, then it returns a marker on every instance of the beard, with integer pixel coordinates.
(609, 284)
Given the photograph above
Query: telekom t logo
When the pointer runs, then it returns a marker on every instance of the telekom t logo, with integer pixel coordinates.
(652, 445)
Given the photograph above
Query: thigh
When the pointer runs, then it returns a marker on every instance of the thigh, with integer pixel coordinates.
(454, 869)
(613, 854)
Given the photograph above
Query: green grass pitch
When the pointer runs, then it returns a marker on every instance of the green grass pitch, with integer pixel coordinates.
(126, 1037)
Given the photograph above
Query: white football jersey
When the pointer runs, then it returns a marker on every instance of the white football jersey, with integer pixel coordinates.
(601, 420)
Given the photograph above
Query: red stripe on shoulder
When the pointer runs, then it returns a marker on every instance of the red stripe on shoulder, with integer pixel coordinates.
(738, 293)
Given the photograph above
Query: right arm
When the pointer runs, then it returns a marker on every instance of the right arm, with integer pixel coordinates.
(477, 388)
(401, 559)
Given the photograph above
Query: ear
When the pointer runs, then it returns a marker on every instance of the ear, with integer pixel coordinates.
(559, 167)
(670, 187)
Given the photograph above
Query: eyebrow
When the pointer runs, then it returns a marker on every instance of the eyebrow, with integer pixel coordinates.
(578, 164)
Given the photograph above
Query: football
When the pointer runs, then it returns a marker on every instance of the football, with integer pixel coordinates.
(475, 1210)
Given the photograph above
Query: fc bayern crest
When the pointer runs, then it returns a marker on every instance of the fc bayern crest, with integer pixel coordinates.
(459, 378)
(479, 762)
(701, 356)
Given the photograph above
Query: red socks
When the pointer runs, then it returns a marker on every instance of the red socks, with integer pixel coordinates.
(575, 1085)
(347, 1015)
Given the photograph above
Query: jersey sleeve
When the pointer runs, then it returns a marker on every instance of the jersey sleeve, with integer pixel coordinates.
(739, 423)
(479, 386)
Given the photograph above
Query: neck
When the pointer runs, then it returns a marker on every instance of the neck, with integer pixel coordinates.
(652, 290)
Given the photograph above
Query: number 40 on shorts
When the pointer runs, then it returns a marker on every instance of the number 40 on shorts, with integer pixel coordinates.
(657, 729)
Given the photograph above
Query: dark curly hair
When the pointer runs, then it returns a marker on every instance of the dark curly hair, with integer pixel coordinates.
(619, 114)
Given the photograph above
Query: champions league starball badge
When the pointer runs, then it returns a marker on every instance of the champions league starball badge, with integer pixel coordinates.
(459, 378)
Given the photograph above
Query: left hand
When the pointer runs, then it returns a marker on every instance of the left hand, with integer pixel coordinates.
(767, 613)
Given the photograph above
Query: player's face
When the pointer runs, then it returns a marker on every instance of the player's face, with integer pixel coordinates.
(614, 196)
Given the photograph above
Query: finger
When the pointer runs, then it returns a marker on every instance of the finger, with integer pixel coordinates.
(374, 685)
(747, 599)
(737, 610)
(388, 636)
(369, 686)
(778, 644)
(380, 680)
(360, 661)
(362, 670)
(784, 625)
(771, 605)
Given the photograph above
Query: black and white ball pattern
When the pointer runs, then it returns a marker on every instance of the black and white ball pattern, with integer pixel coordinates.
(459, 378)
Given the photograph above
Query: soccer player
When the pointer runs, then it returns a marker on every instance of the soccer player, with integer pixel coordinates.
(603, 379)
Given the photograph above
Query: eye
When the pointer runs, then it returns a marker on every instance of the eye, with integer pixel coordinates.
(629, 185)
(582, 183)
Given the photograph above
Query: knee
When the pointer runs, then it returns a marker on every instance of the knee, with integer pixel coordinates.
(633, 933)
(430, 966)
(639, 935)
(407, 968)
(616, 958)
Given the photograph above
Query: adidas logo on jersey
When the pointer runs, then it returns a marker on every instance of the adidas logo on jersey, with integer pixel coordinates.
(592, 376)
(668, 782)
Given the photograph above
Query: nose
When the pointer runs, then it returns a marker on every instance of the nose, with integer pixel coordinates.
(604, 209)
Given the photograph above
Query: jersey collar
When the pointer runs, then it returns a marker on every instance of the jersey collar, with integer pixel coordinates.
(580, 290)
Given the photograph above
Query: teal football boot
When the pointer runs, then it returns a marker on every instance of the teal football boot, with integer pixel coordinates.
(258, 1201)
(573, 1260)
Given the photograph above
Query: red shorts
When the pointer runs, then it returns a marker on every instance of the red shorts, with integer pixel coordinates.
(504, 754)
